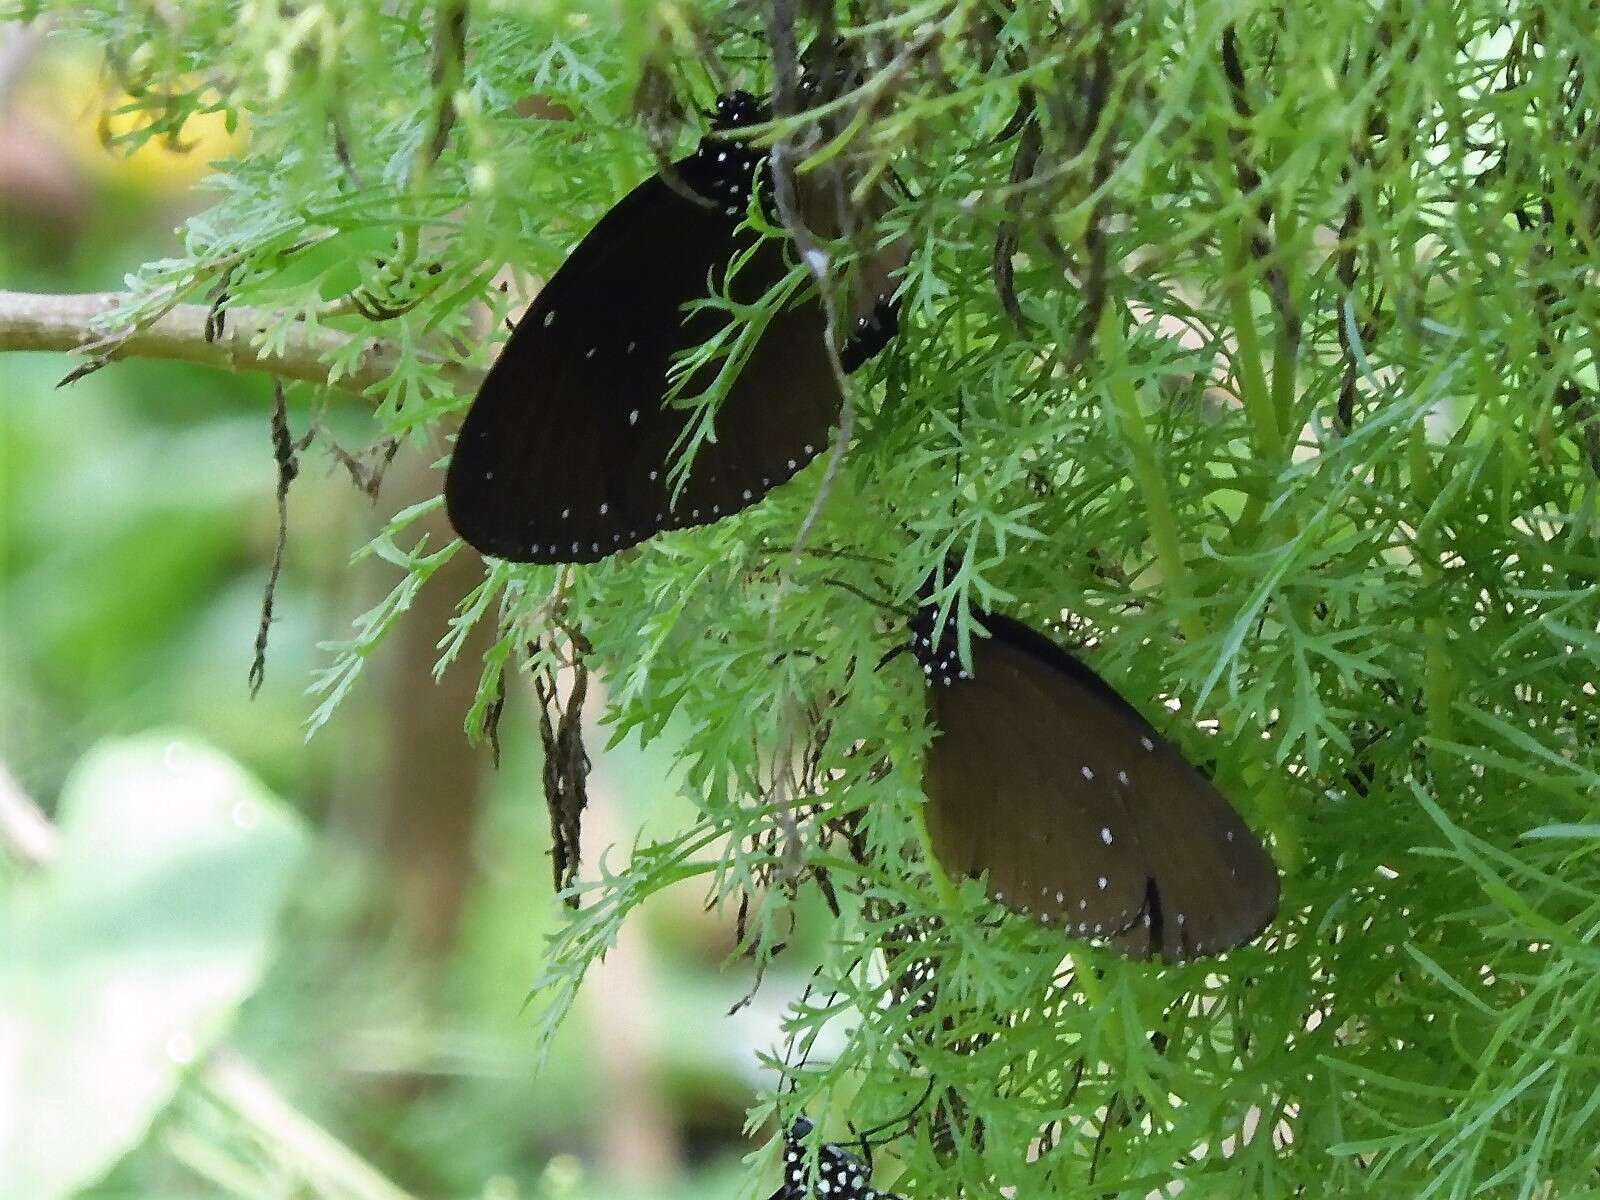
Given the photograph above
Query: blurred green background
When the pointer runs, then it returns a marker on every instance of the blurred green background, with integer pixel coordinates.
(404, 889)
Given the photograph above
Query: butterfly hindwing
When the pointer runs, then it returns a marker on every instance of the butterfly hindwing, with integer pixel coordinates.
(1213, 885)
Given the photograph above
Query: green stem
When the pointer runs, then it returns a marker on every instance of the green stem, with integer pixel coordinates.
(1286, 357)
(1259, 405)
(334, 1168)
(1147, 474)
(1439, 679)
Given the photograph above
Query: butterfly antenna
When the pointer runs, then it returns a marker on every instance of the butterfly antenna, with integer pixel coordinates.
(864, 1140)
(875, 601)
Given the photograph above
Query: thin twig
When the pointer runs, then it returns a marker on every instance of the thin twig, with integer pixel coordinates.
(367, 469)
(1101, 109)
(341, 150)
(1250, 183)
(1345, 270)
(449, 64)
(1005, 241)
(781, 35)
(74, 323)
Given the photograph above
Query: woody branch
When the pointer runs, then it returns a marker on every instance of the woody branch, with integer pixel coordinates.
(71, 324)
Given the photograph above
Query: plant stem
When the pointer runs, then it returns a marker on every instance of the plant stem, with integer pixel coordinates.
(70, 323)
(1147, 474)
(942, 886)
(1439, 681)
(1259, 404)
(1286, 352)
(250, 1096)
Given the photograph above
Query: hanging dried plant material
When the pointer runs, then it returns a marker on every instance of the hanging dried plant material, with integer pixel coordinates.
(566, 765)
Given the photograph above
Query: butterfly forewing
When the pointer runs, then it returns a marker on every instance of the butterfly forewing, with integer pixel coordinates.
(1045, 781)
(567, 452)
(778, 412)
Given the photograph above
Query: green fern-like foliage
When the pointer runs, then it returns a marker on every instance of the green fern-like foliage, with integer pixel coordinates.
(1252, 346)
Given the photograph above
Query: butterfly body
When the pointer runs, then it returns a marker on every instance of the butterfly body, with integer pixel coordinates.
(566, 454)
(1050, 785)
(840, 1175)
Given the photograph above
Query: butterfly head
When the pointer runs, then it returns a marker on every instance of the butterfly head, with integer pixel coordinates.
(724, 169)
(934, 647)
(738, 109)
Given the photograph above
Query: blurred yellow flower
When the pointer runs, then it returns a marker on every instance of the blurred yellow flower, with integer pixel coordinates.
(70, 94)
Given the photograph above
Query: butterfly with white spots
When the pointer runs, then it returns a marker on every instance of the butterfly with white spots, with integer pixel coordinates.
(837, 1175)
(1048, 784)
(566, 453)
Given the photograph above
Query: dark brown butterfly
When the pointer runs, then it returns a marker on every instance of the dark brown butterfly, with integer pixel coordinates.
(1051, 785)
(839, 1175)
(566, 452)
